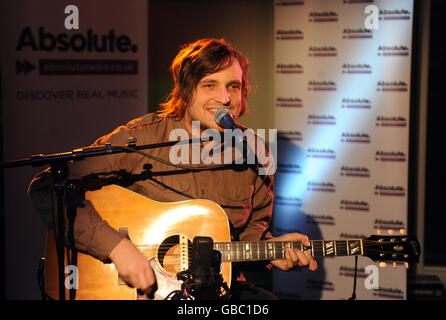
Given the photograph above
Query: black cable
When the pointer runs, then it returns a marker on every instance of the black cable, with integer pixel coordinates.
(353, 297)
(173, 164)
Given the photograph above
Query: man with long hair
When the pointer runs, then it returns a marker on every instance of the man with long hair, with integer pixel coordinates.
(208, 74)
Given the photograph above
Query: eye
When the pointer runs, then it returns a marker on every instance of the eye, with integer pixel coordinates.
(208, 86)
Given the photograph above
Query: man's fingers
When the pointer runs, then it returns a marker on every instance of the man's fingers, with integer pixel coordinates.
(312, 263)
(296, 258)
(303, 259)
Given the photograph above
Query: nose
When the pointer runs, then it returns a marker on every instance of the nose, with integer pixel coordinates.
(223, 97)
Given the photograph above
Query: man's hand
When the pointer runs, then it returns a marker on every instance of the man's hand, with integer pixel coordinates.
(295, 258)
(133, 267)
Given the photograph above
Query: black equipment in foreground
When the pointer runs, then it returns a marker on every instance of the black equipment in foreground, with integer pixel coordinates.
(202, 281)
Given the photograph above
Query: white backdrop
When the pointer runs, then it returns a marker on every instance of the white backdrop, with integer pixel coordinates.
(342, 110)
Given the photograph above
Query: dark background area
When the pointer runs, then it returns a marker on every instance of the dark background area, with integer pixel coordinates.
(435, 212)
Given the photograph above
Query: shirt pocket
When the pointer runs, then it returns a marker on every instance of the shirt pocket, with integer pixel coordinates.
(236, 201)
(234, 194)
(165, 191)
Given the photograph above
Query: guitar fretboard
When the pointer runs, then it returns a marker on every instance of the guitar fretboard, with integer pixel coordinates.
(270, 250)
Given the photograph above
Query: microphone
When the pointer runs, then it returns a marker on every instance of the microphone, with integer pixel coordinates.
(223, 117)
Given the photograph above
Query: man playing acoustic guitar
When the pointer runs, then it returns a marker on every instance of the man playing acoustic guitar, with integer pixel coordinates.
(208, 75)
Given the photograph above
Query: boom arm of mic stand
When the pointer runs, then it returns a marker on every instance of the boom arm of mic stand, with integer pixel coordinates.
(59, 169)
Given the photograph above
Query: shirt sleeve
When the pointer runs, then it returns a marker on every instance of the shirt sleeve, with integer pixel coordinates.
(258, 226)
(91, 233)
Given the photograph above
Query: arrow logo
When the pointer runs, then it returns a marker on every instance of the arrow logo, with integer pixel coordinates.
(25, 67)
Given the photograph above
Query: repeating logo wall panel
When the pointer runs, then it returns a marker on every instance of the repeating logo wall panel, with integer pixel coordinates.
(342, 110)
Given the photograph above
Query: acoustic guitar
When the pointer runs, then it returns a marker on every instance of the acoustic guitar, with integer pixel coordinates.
(164, 233)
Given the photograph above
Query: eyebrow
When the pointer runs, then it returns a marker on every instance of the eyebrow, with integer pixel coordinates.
(215, 81)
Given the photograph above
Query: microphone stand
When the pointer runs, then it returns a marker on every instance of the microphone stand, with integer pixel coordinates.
(60, 172)
(353, 296)
(202, 280)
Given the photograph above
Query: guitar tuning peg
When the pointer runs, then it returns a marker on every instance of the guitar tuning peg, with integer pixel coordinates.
(382, 264)
(402, 231)
(390, 231)
(379, 232)
(394, 265)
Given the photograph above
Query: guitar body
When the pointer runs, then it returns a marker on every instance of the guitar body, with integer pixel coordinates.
(164, 232)
(156, 228)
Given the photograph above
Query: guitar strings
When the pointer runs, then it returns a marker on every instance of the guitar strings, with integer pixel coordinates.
(366, 243)
(174, 258)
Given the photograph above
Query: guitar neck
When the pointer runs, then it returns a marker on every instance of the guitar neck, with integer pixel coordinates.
(240, 251)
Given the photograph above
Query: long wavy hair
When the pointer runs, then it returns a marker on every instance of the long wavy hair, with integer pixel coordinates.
(195, 61)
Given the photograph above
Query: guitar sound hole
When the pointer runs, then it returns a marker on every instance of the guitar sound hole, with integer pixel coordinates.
(169, 254)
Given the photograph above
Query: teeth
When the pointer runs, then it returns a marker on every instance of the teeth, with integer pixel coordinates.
(213, 109)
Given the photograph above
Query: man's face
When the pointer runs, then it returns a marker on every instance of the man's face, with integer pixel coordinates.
(216, 90)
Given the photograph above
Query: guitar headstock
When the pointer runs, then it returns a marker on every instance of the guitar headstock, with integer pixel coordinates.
(394, 248)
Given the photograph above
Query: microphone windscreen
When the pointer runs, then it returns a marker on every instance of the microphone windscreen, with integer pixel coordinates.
(219, 114)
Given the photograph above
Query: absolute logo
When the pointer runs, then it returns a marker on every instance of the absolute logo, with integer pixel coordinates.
(389, 51)
(289, 168)
(321, 186)
(393, 293)
(45, 41)
(359, 103)
(325, 51)
(358, 137)
(346, 235)
(289, 68)
(289, 34)
(396, 191)
(361, 172)
(321, 153)
(350, 272)
(359, 33)
(77, 42)
(396, 14)
(355, 68)
(288, 201)
(290, 3)
(321, 119)
(384, 121)
(289, 102)
(389, 224)
(319, 285)
(289, 135)
(323, 16)
(320, 219)
(355, 205)
(399, 86)
(385, 156)
(321, 85)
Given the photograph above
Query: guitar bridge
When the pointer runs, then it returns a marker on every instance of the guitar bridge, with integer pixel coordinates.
(184, 253)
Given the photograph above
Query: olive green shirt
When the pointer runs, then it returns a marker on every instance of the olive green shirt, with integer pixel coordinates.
(246, 197)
